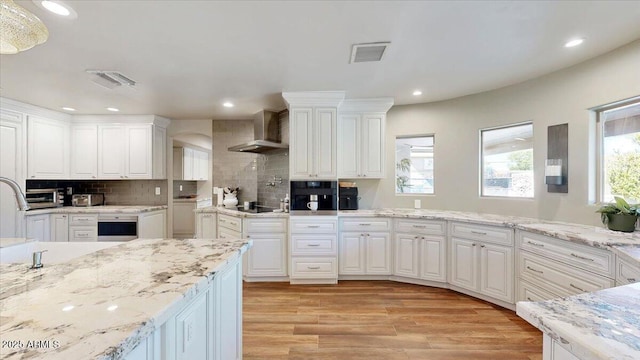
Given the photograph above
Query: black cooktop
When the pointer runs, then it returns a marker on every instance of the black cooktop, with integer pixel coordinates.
(256, 210)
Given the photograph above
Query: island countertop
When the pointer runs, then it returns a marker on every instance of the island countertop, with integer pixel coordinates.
(600, 325)
(98, 209)
(101, 305)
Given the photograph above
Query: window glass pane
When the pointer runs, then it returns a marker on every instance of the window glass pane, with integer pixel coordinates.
(621, 153)
(414, 164)
(507, 161)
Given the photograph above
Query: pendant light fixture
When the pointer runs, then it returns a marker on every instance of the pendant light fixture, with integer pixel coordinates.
(20, 30)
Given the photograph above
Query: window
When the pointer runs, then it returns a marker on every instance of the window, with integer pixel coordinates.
(414, 164)
(507, 161)
(619, 145)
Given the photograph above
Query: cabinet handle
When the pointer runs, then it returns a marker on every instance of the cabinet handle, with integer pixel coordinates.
(222, 220)
(419, 226)
(534, 270)
(64, 216)
(32, 176)
(313, 267)
(313, 226)
(248, 236)
(364, 175)
(312, 245)
(581, 257)
(473, 244)
(631, 280)
(481, 246)
(529, 299)
(478, 232)
(423, 238)
(535, 244)
(416, 237)
(364, 224)
(577, 288)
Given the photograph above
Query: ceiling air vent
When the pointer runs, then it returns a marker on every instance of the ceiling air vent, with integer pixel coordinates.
(368, 52)
(110, 79)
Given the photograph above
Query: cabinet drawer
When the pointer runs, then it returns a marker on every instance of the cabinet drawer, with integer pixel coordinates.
(230, 222)
(313, 226)
(314, 244)
(626, 273)
(584, 257)
(83, 233)
(491, 234)
(83, 219)
(530, 292)
(228, 234)
(560, 278)
(253, 226)
(365, 224)
(314, 268)
(421, 227)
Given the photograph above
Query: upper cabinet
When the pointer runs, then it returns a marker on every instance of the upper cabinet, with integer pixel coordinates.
(361, 138)
(190, 164)
(47, 148)
(84, 151)
(313, 134)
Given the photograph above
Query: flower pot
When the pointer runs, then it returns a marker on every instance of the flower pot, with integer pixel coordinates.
(622, 222)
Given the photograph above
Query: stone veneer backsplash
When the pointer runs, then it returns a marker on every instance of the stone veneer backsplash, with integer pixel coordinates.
(274, 163)
(116, 192)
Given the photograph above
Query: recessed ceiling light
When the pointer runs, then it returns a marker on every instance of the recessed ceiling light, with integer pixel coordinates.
(57, 7)
(574, 42)
(68, 108)
(228, 104)
(417, 93)
(113, 109)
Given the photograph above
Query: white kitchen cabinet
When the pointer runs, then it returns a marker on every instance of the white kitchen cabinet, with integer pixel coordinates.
(47, 148)
(39, 227)
(313, 134)
(59, 227)
(131, 151)
(314, 255)
(361, 137)
(152, 224)
(433, 258)
(84, 151)
(267, 259)
(184, 219)
(206, 226)
(192, 329)
(83, 227)
(190, 164)
(13, 166)
(227, 336)
(200, 165)
(406, 255)
(554, 350)
(351, 254)
(482, 260)
(626, 273)
(378, 254)
(365, 246)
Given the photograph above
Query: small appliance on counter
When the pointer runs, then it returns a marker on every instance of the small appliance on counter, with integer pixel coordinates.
(44, 198)
(81, 200)
(348, 198)
(324, 193)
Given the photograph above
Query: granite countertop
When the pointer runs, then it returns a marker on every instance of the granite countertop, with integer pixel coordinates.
(240, 214)
(112, 299)
(106, 209)
(600, 325)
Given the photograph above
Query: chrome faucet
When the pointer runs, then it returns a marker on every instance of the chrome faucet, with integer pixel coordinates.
(20, 198)
(37, 259)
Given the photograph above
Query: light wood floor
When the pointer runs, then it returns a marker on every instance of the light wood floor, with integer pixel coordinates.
(379, 320)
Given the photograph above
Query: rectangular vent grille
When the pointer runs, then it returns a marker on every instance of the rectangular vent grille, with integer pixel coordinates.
(368, 52)
(110, 79)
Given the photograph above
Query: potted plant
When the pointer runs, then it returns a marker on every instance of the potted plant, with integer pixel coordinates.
(620, 216)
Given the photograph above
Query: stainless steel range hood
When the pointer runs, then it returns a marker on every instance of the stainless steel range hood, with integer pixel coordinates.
(266, 134)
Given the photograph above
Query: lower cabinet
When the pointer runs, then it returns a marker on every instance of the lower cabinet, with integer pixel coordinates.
(553, 350)
(364, 254)
(59, 227)
(267, 258)
(152, 225)
(313, 246)
(421, 250)
(206, 226)
(626, 273)
(406, 251)
(184, 219)
(39, 227)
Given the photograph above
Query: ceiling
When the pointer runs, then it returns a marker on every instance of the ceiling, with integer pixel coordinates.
(188, 57)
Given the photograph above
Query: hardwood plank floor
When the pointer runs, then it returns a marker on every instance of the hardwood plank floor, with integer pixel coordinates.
(379, 320)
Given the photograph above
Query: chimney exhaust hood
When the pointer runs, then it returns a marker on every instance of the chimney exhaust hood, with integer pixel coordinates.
(266, 134)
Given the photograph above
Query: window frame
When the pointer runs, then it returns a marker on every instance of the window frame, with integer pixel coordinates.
(395, 189)
(482, 162)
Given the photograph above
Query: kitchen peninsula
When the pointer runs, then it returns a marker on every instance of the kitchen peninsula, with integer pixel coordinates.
(130, 301)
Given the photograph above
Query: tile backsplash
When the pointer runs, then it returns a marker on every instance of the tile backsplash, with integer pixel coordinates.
(188, 188)
(274, 163)
(116, 192)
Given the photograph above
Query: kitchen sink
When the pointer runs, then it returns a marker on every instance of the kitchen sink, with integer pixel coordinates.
(56, 252)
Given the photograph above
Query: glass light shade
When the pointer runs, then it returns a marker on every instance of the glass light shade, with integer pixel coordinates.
(20, 30)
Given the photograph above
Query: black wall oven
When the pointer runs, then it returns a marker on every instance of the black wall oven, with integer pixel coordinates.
(117, 227)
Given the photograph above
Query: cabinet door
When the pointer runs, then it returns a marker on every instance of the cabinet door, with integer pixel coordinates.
(38, 228)
(159, 152)
(111, 151)
(139, 154)
(228, 325)
(463, 264)
(351, 254)
(192, 329)
(184, 219)
(152, 225)
(59, 227)
(84, 152)
(433, 258)
(324, 153)
(372, 158)
(178, 159)
(12, 166)
(268, 256)
(206, 226)
(496, 271)
(406, 255)
(378, 247)
(203, 166)
(349, 146)
(300, 143)
(187, 164)
(48, 148)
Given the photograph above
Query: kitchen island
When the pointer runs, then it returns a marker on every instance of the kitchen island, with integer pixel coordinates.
(131, 301)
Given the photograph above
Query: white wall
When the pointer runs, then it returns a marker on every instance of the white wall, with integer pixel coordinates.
(557, 98)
